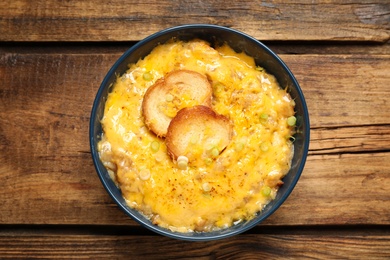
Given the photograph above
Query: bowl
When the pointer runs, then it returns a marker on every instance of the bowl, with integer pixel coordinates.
(239, 41)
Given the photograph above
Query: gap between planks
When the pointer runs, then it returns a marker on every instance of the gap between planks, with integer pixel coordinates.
(287, 242)
(279, 47)
(137, 230)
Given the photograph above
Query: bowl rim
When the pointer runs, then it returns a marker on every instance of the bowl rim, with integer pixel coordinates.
(206, 236)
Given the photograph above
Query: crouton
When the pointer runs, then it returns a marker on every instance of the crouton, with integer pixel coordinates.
(177, 90)
(199, 134)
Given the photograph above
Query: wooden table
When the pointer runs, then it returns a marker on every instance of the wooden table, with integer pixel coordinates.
(53, 57)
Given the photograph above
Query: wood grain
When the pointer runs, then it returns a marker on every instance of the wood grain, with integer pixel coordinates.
(350, 139)
(53, 57)
(359, 97)
(131, 20)
(45, 101)
(343, 189)
(344, 90)
(249, 246)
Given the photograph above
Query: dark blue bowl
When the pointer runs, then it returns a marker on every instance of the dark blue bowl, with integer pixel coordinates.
(239, 41)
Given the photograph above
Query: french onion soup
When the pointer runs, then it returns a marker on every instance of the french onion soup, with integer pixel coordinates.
(198, 138)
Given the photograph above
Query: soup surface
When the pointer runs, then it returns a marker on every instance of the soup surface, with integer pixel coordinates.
(212, 192)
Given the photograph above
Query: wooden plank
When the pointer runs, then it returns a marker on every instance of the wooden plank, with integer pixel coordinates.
(332, 190)
(248, 246)
(343, 189)
(344, 89)
(45, 164)
(350, 139)
(131, 20)
(359, 97)
(45, 159)
(328, 48)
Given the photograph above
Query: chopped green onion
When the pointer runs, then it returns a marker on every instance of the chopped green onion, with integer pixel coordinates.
(206, 187)
(144, 174)
(266, 191)
(291, 120)
(215, 152)
(208, 161)
(219, 87)
(159, 157)
(264, 147)
(169, 97)
(147, 76)
(182, 165)
(155, 146)
(239, 146)
(264, 116)
(182, 162)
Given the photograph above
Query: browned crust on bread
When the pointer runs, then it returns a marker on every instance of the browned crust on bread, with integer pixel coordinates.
(187, 88)
(195, 130)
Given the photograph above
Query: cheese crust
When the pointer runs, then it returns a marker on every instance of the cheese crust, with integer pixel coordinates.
(227, 188)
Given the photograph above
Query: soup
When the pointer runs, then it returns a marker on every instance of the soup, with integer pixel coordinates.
(208, 185)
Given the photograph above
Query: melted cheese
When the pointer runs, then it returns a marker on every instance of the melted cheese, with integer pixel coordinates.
(228, 189)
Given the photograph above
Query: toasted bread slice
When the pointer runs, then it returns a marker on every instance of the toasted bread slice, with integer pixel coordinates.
(177, 90)
(198, 133)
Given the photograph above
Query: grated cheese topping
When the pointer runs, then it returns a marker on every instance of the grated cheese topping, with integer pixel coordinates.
(225, 189)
